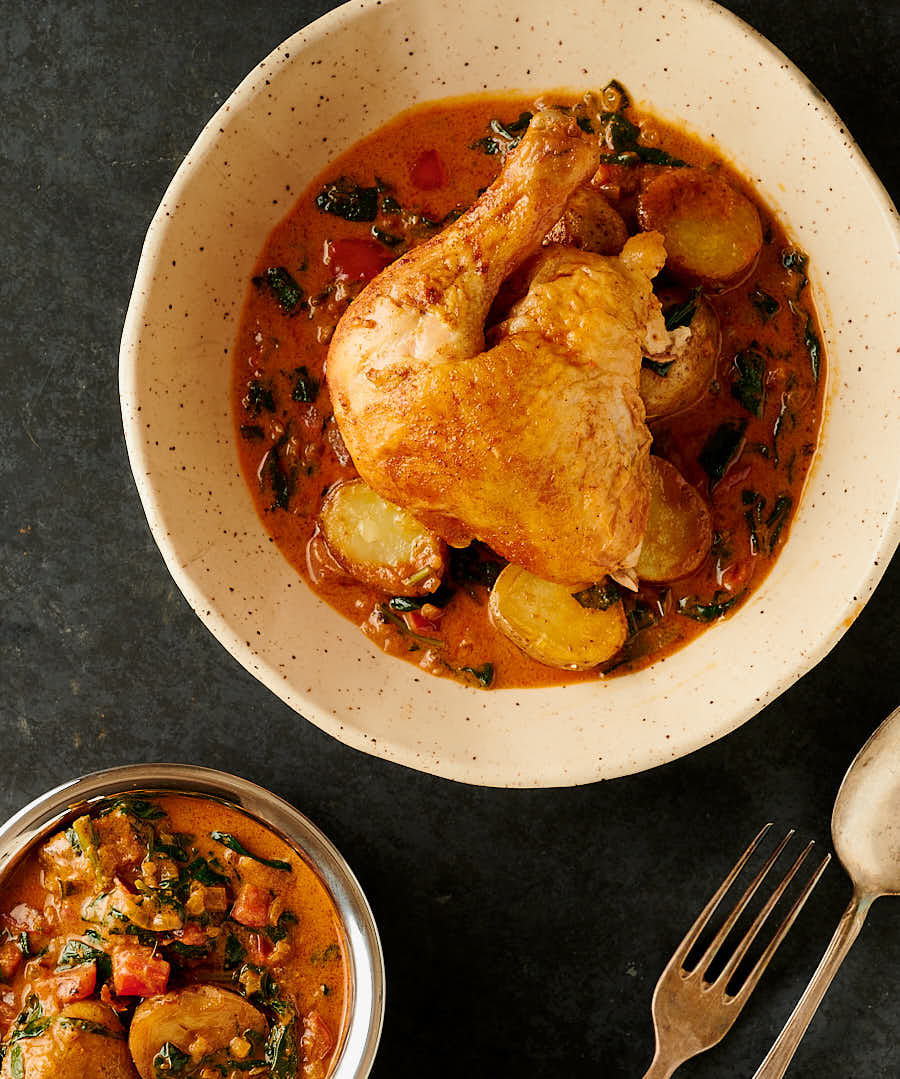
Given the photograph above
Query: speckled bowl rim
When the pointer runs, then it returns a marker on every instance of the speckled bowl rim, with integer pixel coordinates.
(365, 1013)
(678, 719)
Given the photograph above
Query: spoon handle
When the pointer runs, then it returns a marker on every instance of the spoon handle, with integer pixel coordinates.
(781, 1053)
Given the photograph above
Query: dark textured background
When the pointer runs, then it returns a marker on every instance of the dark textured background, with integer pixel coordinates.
(524, 930)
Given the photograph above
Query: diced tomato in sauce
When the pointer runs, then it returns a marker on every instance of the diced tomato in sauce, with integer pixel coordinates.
(75, 984)
(10, 959)
(192, 935)
(317, 1040)
(427, 172)
(251, 908)
(260, 948)
(138, 972)
(357, 260)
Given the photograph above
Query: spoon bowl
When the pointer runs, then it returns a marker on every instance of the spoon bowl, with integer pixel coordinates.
(865, 825)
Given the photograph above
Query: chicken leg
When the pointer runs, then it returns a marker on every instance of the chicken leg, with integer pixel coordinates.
(535, 445)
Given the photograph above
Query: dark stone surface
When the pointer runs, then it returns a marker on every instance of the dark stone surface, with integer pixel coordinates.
(524, 930)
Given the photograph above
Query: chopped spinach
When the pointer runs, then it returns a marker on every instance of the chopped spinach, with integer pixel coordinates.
(182, 953)
(720, 449)
(229, 841)
(234, 953)
(641, 616)
(170, 1060)
(389, 617)
(76, 952)
(71, 1022)
(692, 607)
(615, 96)
(660, 368)
(389, 239)
(767, 305)
(483, 675)
(252, 432)
(682, 314)
(281, 283)
(281, 1050)
(504, 137)
(16, 1064)
(777, 519)
(749, 384)
(439, 598)
(349, 200)
(258, 398)
(280, 930)
(621, 136)
(327, 955)
(599, 597)
(281, 480)
(306, 388)
(201, 871)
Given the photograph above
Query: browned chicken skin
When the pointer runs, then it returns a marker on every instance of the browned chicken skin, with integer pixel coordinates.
(536, 445)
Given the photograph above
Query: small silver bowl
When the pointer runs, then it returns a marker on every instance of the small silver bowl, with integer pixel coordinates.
(365, 960)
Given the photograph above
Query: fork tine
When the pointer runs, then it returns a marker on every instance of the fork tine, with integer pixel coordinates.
(716, 943)
(760, 920)
(753, 977)
(703, 917)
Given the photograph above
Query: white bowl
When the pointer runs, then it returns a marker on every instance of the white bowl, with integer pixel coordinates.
(324, 88)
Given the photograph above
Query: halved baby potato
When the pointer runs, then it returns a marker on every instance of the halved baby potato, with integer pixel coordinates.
(183, 1016)
(589, 222)
(679, 530)
(546, 621)
(711, 231)
(380, 544)
(690, 370)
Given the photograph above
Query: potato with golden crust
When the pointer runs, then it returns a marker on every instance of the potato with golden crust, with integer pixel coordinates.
(380, 544)
(84, 1041)
(679, 530)
(712, 232)
(548, 623)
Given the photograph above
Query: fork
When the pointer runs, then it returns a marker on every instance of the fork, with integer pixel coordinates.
(690, 1012)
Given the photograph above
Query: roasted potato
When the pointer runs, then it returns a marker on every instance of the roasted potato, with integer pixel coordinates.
(546, 621)
(203, 1014)
(679, 530)
(380, 544)
(712, 232)
(589, 222)
(688, 371)
(84, 1041)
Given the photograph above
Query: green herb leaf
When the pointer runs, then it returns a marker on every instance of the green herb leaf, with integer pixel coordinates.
(258, 398)
(133, 807)
(749, 385)
(279, 931)
(504, 137)
(282, 285)
(682, 314)
(657, 367)
(252, 432)
(777, 519)
(71, 1022)
(615, 96)
(348, 200)
(170, 1060)
(392, 618)
(813, 347)
(201, 871)
(389, 239)
(641, 616)
(720, 450)
(229, 841)
(306, 388)
(281, 1051)
(692, 607)
(600, 597)
(327, 955)
(76, 952)
(16, 1064)
(483, 675)
(234, 952)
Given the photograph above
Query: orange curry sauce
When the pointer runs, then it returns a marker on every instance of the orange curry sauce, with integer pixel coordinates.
(428, 164)
(149, 894)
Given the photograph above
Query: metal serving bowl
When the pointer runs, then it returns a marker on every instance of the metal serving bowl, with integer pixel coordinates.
(365, 961)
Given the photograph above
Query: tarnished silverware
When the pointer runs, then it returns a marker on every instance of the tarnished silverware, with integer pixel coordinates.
(690, 1012)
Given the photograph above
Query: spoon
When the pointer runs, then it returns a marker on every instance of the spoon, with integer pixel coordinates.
(865, 829)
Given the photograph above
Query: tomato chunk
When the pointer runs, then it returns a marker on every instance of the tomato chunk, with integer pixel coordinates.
(76, 984)
(137, 972)
(10, 958)
(317, 1040)
(251, 906)
(357, 260)
(427, 171)
(260, 949)
(193, 934)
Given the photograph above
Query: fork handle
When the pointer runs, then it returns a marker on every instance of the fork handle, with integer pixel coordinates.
(782, 1052)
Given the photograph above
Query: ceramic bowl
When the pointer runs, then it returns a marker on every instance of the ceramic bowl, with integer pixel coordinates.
(365, 962)
(326, 87)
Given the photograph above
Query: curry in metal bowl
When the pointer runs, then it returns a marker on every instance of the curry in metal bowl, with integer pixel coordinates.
(169, 935)
(528, 389)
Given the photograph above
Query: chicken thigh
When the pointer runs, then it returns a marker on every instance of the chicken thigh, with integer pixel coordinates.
(535, 445)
